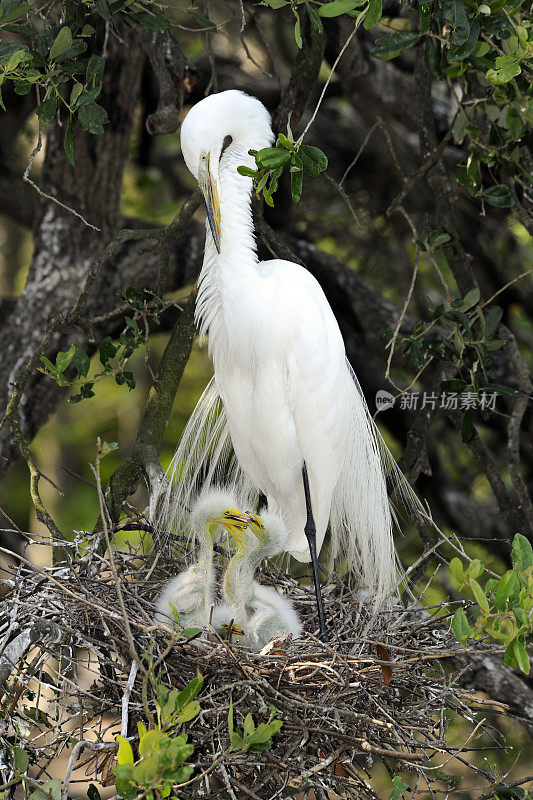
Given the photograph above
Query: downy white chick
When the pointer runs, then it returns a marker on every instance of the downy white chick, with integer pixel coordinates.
(192, 592)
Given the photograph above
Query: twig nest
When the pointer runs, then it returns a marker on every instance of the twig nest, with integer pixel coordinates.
(376, 691)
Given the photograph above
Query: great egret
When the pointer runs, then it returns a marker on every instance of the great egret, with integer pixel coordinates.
(191, 593)
(260, 612)
(283, 394)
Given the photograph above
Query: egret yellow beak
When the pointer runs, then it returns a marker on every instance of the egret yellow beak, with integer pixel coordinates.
(235, 522)
(209, 190)
(233, 630)
(257, 527)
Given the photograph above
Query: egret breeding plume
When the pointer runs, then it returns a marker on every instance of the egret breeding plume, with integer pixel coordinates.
(284, 416)
(192, 592)
(260, 612)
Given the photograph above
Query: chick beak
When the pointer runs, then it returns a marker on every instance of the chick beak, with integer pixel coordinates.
(256, 526)
(235, 523)
(209, 190)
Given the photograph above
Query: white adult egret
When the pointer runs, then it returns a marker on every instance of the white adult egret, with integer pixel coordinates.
(290, 406)
(259, 611)
(191, 592)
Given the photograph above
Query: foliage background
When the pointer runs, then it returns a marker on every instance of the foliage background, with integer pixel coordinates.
(466, 114)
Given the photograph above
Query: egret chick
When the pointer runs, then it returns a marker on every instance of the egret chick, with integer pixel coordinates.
(192, 592)
(261, 612)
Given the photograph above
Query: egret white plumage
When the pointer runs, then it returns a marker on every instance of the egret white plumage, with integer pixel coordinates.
(284, 415)
(259, 611)
(192, 592)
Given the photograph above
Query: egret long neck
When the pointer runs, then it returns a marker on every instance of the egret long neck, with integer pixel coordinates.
(240, 574)
(205, 548)
(230, 275)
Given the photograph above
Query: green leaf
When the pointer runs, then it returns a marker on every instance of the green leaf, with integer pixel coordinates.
(460, 626)
(63, 359)
(479, 594)
(393, 44)
(454, 12)
(398, 789)
(49, 789)
(314, 161)
(21, 759)
(190, 691)
(88, 97)
(507, 68)
(456, 569)
(190, 711)
(315, 20)
(77, 89)
(499, 196)
(271, 157)
(81, 360)
(62, 43)
(507, 590)
(373, 15)
(202, 21)
(521, 656)
(48, 109)
(432, 58)
(522, 554)
(16, 58)
(470, 299)
(286, 143)
(102, 8)
(125, 752)
(125, 788)
(247, 172)
(492, 321)
(107, 350)
(68, 144)
(458, 52)
(95, 67)
(298, 33)
(337, 7)
(475, 569)
(296, 185)
(92, 117)
(265, 731)
(438, 238)
(249, 726)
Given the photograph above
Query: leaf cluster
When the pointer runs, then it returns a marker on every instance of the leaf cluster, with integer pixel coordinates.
(504, 606)
(488, 49)
(162, 751)
(252, 737)
(113, 355)
(271, 162)
(368, 10)
(463, 333)
(59, 57)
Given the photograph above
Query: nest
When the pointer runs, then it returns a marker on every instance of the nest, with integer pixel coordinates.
(378, 691)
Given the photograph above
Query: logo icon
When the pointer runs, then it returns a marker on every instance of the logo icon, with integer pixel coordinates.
(384, 400)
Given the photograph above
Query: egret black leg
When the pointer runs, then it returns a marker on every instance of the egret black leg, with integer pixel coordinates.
(262, 503)
(310, 532)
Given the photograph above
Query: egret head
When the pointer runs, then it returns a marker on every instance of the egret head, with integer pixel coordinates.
(271, 532)
(265, 536)
(227, 114)
(213, 509)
